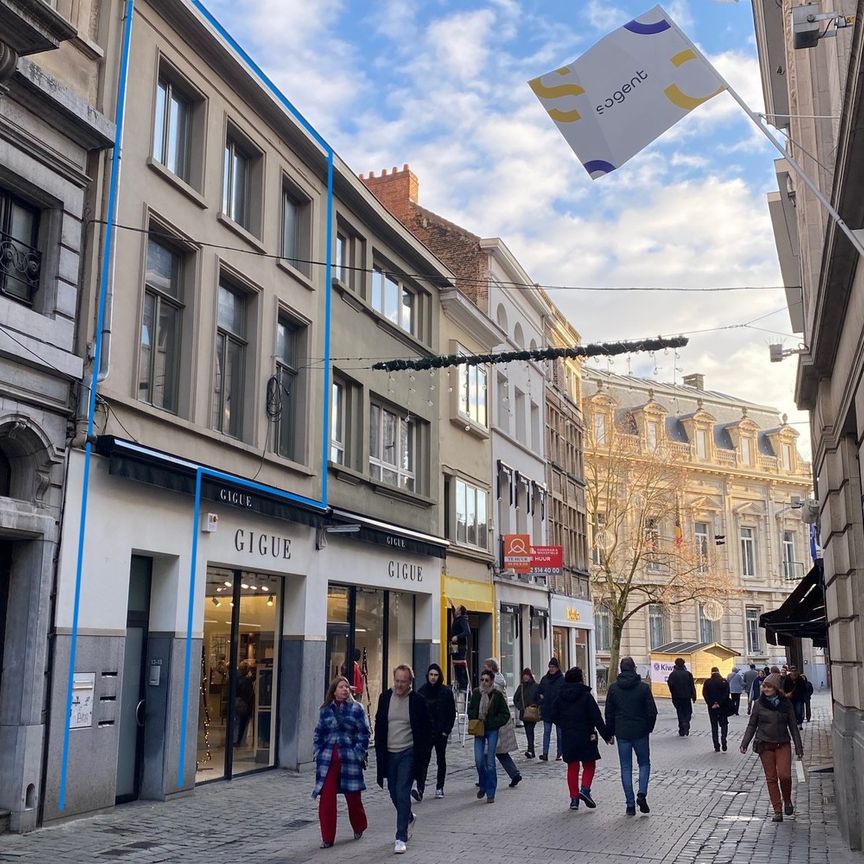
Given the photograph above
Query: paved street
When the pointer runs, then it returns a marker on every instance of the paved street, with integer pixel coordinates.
(706, 808)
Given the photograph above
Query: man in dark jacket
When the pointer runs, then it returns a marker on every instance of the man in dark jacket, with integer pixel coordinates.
(403, 738)
(442, 712)
(547, 692)
(630, 717)
(750, 675)
(795, 688)
(460, 633)
(715, 692)
(682, 688)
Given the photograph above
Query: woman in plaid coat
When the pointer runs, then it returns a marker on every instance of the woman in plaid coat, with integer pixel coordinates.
(340, 745)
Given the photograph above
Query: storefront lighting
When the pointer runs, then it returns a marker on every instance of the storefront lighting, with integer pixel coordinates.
(228, 584)
(216, 601)
(269, 601)
(244, 585)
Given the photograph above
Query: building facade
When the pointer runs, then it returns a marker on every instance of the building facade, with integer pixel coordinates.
(52, 141)
(815, 94)
(258, 506)
(739, 471)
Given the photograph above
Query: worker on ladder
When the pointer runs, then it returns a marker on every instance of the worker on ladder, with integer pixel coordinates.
(460, 633)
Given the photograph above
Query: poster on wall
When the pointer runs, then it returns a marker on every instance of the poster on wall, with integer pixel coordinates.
(547, 560)
(517, 553)
(660, 670)
(83, 688)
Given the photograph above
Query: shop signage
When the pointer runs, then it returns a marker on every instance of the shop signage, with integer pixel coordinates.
(235, 497)
(404, 570)
(517, 552)
(548, 560)
(398, 542)
(573, 614)
(263, 545)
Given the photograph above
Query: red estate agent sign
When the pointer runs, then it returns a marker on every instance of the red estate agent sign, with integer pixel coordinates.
(517, 552)
(548, 560)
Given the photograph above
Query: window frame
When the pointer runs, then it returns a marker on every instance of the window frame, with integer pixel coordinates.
(160, 151)
(657, 612)
(478, 494)
(599, 426)
(381, 278)
(702, 444)
(787, 541)
(338, 421)
(33, 255)
(241, 341)
(702, 541)
(705, 624)
(755, 632)
(292, 395)
(301, 203)
(237, 145)
(473, 378)
(651, 531)
(406, 478)
(747, 546)
(602, 628)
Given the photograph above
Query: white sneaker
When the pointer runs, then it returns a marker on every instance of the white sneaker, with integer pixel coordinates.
(439, 793)
(400, 848)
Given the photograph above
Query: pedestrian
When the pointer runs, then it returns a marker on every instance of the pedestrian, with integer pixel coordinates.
(507, 733)
(339, 746)
(244, 700)
(577, 714)
(403, 738)
(682, 688)
(442, 713)
(460, 633)
(772, 727)
(547, 691)
(357, 674)
(756, 687)
(749, 676)
(525, 702)
(715, 692)
(795, 688)
(735, 680)
(487, 713)
(630, 718)
(808, 695)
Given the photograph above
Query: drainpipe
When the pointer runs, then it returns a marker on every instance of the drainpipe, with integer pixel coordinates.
(106, 275)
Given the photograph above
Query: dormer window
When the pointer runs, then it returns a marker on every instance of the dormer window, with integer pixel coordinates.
(702, 444)
(652, 432)
(600, 430)
(747, 451)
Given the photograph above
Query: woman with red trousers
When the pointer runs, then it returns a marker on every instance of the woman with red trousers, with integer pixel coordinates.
(340, 745)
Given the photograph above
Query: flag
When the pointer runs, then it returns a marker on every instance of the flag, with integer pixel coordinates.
(627, 90)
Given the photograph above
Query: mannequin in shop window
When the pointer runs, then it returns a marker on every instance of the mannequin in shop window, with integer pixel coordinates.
(244, 700)
(357, 676)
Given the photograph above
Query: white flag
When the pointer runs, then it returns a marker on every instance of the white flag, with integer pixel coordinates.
(627, 90)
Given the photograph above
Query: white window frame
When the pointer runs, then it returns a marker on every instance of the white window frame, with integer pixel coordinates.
(602, 628)
(227, 336)
(337, 422)
(383, 285)
(751, 627)
(473, 389)
(288, 378)
(473, 502)
(789, 559)
(293, 234)
(746, 450)
(747, 543)
(657, 613)
(701, 539)
(705, 624)
(702, 444)
(402, 471)
(652, 545)
(236, 153)
(652, 435)
(341, 257)
(172, 133)
(600, 430)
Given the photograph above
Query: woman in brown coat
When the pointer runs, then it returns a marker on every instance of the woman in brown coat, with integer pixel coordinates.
(772, 728)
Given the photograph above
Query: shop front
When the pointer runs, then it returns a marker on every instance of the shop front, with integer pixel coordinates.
(572, 634)
(524, 634)
(383, 584)
(478, 598)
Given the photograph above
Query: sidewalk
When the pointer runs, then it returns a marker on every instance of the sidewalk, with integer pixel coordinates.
(706, 808)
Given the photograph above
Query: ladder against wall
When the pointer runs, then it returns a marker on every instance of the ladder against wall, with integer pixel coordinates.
(461, 698)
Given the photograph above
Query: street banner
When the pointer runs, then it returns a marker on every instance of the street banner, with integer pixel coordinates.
(517, 553)
(627, 90)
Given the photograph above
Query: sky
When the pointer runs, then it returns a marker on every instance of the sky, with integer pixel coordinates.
(441, 85)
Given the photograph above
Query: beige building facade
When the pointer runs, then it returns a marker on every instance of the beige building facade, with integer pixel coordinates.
(821, 90)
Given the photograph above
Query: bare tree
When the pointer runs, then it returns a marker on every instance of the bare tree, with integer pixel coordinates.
(641, 553)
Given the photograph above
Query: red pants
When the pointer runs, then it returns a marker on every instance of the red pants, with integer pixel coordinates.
(777, 765)
(327, 803)
(588, 769)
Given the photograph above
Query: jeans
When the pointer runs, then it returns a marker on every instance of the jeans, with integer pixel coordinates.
(484, 759)
(736, 702)
(547, 737)
(719, 721)
(400, 776)
(529, 734)
(440, 748)
(684, 709)
(626, 749)
(799, 711)
(508, 765)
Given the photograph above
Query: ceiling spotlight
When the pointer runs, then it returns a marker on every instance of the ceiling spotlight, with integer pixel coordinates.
(244, 585)
(270, 600)
(228, 584)
(215, 601)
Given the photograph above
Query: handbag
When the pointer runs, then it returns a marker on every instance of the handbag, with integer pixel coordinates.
(531, 714)
(476, 727)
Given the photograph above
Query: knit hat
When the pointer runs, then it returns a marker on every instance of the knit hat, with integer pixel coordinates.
(554, 662)
(774, 680)
(679, 662)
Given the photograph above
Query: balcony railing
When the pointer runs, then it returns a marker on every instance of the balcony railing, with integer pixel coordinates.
(20, 268)
(793, 571)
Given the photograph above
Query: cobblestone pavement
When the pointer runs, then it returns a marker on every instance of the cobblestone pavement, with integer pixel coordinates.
(706, 808)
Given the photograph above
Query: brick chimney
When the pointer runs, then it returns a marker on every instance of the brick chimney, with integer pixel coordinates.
(696, 380)
(397, 191)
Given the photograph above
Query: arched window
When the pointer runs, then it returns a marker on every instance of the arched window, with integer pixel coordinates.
(518, 335)
(501, 317)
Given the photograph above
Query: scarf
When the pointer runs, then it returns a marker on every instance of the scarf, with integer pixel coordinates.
(485, 696)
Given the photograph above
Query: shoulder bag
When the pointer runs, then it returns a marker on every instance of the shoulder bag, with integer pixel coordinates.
(476, 727)
(531, 714)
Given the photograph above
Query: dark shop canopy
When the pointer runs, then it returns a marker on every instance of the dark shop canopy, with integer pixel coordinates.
(802, 615)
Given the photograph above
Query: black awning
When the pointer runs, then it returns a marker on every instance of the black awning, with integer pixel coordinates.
(396, 537)
(802, 615)
(158, 468)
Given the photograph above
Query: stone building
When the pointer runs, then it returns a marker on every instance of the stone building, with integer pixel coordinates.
(51, 141)
(815, 95)
(741, 471)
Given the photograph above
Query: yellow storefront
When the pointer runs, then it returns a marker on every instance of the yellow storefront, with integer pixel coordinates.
(478, 597)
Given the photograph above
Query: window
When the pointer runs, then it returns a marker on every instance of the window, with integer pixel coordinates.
(600, 429)
(337, 423)
(161, 330)
(747, 451)
(171, 139)
(700, 535)
(702, 444)
(503, 391)
(230, 361)
(707, 629)
(786, 457)
(289, 346)
(651, 433)
(790, 569)
(519, 402)
(602, 628)
(472, 393)
(20, 260)
(754, 637)
(748, 552)
(391, 448)
(652, 544)
(295, 230)
(598, 536)
(471, 520)
(536, 440)
(342, 264)
(236, 182)
(510, 648)
(657, 625)
(396, 302)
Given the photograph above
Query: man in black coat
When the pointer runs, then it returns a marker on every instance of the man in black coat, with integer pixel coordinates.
(460, 633)
(682, 688)
(630, 717)
(403, 738)
(715, 692)
(442, 712)
(547, 692)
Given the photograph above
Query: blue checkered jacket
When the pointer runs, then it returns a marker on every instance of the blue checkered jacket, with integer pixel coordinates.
(348, 729)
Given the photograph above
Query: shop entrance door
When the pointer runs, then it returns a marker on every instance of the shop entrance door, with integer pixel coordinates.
(132, 698)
